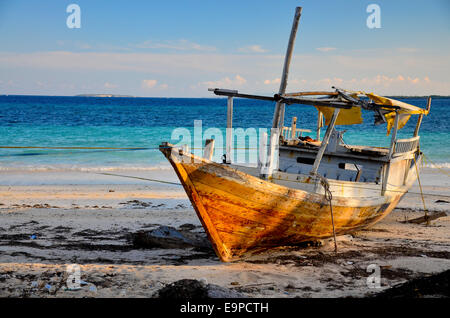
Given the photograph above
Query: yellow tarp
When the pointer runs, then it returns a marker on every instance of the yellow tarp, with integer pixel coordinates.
(351, 116)
(405, 111)
(390, 118)
(404, 107)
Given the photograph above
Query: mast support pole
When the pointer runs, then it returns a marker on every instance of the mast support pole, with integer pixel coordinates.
(325, 140)
(387, 167)
(229, 132)
(419, 120)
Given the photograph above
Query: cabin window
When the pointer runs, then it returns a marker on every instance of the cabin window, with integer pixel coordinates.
(307, 161)
(349, 166)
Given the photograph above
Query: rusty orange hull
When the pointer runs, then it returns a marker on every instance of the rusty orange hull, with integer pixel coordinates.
(241, 213)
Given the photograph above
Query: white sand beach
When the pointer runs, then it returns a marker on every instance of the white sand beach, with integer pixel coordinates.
(54, 218)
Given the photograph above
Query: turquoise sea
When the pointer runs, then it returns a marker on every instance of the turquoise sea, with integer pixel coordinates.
(53, 121)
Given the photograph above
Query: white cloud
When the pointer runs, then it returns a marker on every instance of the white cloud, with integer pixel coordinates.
(109, 85)
(252, 49)
(386, 72)
(84, 46)
(380, 83)
(179, 45)
(326, 49)
(225, 82)
(134, 62)
(273, 81)
(407, 49)
(152, 84)
(149, 83)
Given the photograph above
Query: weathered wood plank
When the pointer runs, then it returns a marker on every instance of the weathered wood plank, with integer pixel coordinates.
(220, 248)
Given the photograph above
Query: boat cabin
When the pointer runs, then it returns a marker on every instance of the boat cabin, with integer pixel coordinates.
(300, 156)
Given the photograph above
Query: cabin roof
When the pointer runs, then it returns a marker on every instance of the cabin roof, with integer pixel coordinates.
(350, 102)
(340, 98)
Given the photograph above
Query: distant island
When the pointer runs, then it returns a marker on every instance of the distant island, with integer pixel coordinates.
(102, 95)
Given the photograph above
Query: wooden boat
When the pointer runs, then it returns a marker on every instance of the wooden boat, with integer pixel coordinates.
(316, 189)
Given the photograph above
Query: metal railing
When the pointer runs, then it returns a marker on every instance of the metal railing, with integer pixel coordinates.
(403, 146)
(286, 132)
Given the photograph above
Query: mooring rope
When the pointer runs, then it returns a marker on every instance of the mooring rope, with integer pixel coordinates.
(140, 178)
(435, 165)
(329, 197)
(421, 192)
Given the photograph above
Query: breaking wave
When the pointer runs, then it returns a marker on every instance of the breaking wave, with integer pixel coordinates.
(438, 165)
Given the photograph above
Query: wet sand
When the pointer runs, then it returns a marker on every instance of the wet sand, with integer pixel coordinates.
(49, 225)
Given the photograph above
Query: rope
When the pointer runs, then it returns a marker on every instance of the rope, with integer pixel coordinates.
(147, 179)
(421, 192)
(329, 197)
(435, 166)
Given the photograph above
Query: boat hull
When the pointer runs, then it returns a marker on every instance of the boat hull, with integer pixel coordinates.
(242, 214)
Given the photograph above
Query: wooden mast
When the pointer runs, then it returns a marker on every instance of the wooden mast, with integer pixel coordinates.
(279, 107)
(287, 61)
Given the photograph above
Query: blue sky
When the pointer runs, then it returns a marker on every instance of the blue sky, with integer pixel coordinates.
(180, 48)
